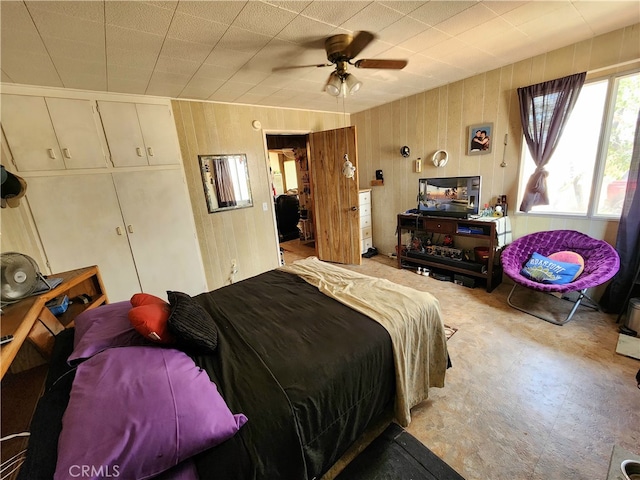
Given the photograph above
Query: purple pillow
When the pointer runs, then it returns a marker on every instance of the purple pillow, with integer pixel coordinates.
(104, 327)
(183, 471)
(140, 411)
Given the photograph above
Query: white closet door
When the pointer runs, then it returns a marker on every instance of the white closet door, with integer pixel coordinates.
(80, 224)
(30, 135)
(157, 212)
(121, 126)
(159, 133)
(75, 127)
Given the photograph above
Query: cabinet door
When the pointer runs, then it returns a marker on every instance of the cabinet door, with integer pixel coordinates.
(159, 133)
(78, 135)
(30, 135)
(121, 126)
(80, 224)
(157, 212)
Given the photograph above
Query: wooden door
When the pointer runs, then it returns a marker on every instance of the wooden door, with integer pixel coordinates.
(121, 126)
(79, 221)
(335, 197)
(159, 134)
(30, 135)
(159, 222)
(75, 127)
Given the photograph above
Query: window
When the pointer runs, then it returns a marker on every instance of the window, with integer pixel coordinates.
(589, 168)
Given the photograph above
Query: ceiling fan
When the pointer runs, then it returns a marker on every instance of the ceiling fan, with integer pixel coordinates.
(341, 50)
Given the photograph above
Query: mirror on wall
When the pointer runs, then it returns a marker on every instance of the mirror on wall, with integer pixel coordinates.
(226, 181)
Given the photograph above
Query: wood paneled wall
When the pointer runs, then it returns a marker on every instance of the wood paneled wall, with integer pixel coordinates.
(247, 235)
(439, 119)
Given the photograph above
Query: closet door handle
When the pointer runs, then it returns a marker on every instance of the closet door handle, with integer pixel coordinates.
(119, 230)
(52, 154)
(66, 153)
(150, 150)
(354, 209)
(130, 228)
(139, 151)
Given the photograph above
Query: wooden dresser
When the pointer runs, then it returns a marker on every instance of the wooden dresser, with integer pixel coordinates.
(366, 240)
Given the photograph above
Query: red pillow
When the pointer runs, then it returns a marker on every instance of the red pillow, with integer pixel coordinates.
(145, 299)
(149, 317)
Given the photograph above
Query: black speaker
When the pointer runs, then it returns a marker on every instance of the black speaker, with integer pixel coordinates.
(379, 175)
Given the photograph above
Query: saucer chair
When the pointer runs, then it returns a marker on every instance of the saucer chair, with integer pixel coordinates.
(601, 262)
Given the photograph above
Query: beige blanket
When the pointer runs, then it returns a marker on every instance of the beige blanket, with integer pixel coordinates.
(411, 317)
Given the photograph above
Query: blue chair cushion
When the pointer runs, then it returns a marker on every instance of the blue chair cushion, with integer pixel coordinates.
(545, 270)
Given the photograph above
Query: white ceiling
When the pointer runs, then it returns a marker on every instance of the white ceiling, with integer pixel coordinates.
(226, 50)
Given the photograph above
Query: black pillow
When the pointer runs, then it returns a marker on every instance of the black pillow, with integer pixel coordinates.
(191, 324)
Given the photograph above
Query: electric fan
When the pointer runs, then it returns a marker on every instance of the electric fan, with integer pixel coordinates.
(20, 277)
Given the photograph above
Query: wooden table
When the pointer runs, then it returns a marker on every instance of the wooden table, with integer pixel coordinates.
(29, 319)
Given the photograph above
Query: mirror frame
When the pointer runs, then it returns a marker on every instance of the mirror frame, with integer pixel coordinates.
(233, 164)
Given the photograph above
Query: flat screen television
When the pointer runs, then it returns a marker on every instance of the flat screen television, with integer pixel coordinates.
(456, 197)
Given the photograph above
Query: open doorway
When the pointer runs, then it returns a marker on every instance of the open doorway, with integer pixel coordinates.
(328, 195)
(291, 188)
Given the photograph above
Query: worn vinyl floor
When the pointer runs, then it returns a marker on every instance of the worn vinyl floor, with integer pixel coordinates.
(525, 399)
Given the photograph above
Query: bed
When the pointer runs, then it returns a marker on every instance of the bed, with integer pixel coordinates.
(306, 358)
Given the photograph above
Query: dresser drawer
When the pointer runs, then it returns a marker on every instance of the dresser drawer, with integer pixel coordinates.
(438, 226)
(365, 209)
(365, 232)
(365, 197)
(366, 244)
(365, 221)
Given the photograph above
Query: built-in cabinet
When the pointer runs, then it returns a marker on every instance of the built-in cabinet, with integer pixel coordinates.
(134, 225)
(52, 133)
(138, 133)
(366, 237)
(131, 216)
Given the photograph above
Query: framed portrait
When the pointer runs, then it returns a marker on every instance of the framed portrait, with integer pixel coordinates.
(479, 140)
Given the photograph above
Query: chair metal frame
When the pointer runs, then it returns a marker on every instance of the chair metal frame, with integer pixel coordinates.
(582, 294)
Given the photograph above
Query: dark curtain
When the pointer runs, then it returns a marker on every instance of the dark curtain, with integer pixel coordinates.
(628, 240)
(224, 183)
(544, 110)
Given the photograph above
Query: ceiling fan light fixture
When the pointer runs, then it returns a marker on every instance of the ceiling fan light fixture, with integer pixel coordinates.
(352, 83)
(334, 85)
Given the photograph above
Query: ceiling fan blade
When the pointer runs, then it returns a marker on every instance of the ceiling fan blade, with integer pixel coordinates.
(380, 63)
(361, 40)
(277, 69)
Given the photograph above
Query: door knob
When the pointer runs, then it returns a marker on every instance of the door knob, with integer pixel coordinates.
(354, 209)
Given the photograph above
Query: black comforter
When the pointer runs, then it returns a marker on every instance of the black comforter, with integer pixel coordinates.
(309, 373)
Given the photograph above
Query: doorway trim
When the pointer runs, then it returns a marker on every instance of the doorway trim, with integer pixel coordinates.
(266, 132)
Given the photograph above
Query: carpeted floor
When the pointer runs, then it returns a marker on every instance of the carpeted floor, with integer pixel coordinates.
(396, 455)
